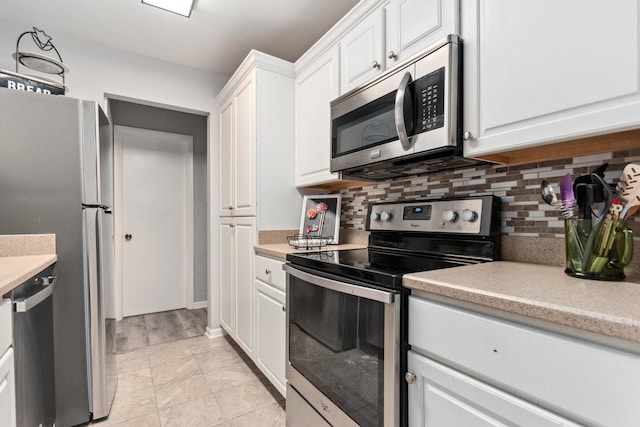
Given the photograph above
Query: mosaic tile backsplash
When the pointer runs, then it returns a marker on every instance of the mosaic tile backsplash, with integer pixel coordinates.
(523, 211)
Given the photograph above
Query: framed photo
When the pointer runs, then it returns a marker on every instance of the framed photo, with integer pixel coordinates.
(321, 216)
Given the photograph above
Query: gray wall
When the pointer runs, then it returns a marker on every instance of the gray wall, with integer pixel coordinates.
(145, 117)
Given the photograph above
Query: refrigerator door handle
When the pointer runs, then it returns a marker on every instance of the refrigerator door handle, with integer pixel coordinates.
(27, 304)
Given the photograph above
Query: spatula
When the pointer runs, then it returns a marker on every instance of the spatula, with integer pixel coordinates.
(629, 189)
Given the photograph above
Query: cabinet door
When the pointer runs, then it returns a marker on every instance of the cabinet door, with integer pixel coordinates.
(226, 159)
(270, 329)
(7, 390)
(244, 272)
(362, 51)
(539, 71)
(227, 275)
(441, 396)
(244, 174)
(414, 25)
(316, 86)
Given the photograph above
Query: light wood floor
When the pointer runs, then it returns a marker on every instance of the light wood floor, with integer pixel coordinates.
(156, 328)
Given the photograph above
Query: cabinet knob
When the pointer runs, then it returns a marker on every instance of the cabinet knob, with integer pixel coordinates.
(410, 377)
(375, 64)
(231, 225)
(391, 55)
(284, 308)
(128, 236)
(267, 272)
(467, 136)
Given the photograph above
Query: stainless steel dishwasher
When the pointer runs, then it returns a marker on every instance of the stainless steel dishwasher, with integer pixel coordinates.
(33, 347)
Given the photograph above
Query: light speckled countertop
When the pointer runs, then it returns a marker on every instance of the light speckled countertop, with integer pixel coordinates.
(22, 256)
(541, 292)
(280, 250)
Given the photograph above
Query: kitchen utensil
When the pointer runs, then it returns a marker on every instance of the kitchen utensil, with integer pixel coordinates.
(629, 188)
(568, 198)
(586, 179)
(604, 208)
(550, 197)
(548, 194)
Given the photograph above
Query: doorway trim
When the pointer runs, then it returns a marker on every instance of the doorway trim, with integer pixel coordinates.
(118, 132)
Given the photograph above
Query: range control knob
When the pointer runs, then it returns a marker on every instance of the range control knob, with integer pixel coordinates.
(450, 215)
(375, 216)
(385, 216)
(469, 215)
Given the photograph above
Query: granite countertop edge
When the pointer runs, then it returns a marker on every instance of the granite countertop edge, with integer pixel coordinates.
(280, 250)
(540, 292)
(14, 270)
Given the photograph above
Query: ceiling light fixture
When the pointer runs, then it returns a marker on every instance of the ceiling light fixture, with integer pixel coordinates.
(181, 7)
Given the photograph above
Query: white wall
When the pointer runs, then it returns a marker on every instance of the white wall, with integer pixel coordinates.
(96, 70)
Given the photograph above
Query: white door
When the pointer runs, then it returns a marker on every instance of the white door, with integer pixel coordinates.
(155, 219)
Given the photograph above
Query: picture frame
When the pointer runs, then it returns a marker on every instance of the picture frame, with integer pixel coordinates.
(320, 216)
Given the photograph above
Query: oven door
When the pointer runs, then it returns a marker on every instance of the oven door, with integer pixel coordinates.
(343, 349)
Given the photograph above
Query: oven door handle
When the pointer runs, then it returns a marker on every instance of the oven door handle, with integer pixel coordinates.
(401, 128)
(345, 288)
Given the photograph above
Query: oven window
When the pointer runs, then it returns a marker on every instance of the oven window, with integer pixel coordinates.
(336, 341)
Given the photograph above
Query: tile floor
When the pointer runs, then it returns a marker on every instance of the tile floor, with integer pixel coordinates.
(193, 382)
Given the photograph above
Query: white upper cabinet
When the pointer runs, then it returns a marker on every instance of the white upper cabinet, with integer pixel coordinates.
(391, 33)
(541, 71)
(237, 154)
(256, 129)
(362, 51)
(316, 86)
(413, 25)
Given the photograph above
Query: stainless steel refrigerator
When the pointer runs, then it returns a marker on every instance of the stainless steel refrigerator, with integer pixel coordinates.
(56, 176)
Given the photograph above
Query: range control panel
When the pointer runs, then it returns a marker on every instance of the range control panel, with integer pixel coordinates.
(436, 216)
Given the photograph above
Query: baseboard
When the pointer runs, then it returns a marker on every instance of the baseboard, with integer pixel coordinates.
(200, 304)
(213, 333)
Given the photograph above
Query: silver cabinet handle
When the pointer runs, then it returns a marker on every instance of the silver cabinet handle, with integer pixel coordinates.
(467, 136)
(375, 64)
(410, 377)
(27, 304)
(405, 139)
(391, 55)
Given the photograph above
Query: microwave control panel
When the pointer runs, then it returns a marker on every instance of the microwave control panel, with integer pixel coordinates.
(429, 94)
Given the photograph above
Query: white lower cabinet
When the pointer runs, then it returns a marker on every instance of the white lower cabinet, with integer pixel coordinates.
(7, 371)
(480, 369)
(270, 331)
(270, 318)
(237, 238)
(442, 396)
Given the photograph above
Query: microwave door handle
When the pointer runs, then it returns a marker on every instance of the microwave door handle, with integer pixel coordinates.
(405, 140)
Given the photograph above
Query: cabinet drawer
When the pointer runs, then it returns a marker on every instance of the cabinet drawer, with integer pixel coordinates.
(567, 375)
(270, 271)
(6, 325)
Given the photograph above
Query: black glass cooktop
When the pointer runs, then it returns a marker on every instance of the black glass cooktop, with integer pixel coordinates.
(376, 267)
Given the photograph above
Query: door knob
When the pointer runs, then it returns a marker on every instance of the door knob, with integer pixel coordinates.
(128, 236)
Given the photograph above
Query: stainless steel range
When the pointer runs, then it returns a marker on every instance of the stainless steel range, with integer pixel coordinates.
(346, 309)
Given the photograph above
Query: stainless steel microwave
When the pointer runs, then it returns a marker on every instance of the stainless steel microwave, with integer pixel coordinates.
(404, 122)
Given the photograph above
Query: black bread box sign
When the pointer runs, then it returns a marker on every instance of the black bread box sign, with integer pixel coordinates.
(29, 84)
